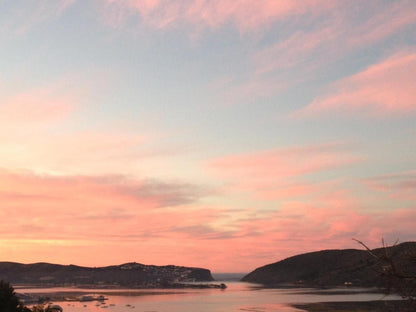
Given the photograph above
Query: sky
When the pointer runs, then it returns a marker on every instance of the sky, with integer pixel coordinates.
(224, 134)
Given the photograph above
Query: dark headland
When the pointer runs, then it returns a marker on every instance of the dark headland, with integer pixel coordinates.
(133, 275)
(336, 267)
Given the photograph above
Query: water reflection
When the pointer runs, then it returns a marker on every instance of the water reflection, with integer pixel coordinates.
(237, 297)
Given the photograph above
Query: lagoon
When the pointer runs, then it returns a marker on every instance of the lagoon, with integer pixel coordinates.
(237, 297)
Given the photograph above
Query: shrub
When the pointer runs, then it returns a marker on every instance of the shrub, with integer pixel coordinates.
(397, 273)
(9, 302)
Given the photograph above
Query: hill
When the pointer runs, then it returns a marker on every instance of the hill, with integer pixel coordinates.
(335, 267)
(126, 275)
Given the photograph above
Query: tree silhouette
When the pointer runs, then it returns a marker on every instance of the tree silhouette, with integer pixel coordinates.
(9, 302)
(398, 275)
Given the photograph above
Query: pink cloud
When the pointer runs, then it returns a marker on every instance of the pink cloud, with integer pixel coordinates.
(79, 219)
(320, 32)
(22, 17)
(286, 162)
(27, 116)
(384, 88)
(279, 173)
(328, 222)
(35, 106)
(333, 37)
(233, 92)
(246, 15)
(391, 19)
(305, 51)
(86, 152)
(45, 102)
(104, 210)
(294, 51)
(21, 187)
(397, 186)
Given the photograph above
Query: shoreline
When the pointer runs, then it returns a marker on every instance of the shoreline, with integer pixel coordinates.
(75, 293)
(356, 306)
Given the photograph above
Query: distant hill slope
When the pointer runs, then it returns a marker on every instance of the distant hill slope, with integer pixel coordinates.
(129, 274)
(333, 267)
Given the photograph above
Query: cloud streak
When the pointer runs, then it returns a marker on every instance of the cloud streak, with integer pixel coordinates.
(381, 89)
(400, 186)
(80, 213)
(36, 106)
(130, 157)
(246, 15)
(283, 172)
(20, 18)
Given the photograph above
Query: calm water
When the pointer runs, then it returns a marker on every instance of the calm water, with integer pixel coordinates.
(237, 297)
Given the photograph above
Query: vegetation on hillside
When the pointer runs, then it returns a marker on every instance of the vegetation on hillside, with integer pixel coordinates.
(397, 273)
(392, 268)
(344, 267)
(134, 275)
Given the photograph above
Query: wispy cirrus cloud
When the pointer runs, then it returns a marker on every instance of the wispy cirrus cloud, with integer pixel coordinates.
(334, 36)
(282, 172)
(39, 103)
(48, 103)
(397, 185)
(246, 15)
(327, 223)
(21, 17)
(27, 115)
(78, 212)
(392, 19)
(313, 42)
(54, 188)
(95, 207)
(381, 89)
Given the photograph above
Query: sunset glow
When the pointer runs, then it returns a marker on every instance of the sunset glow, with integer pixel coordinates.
(222, 134)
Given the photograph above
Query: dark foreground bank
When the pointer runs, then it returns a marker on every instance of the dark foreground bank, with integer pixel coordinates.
(365, 306)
